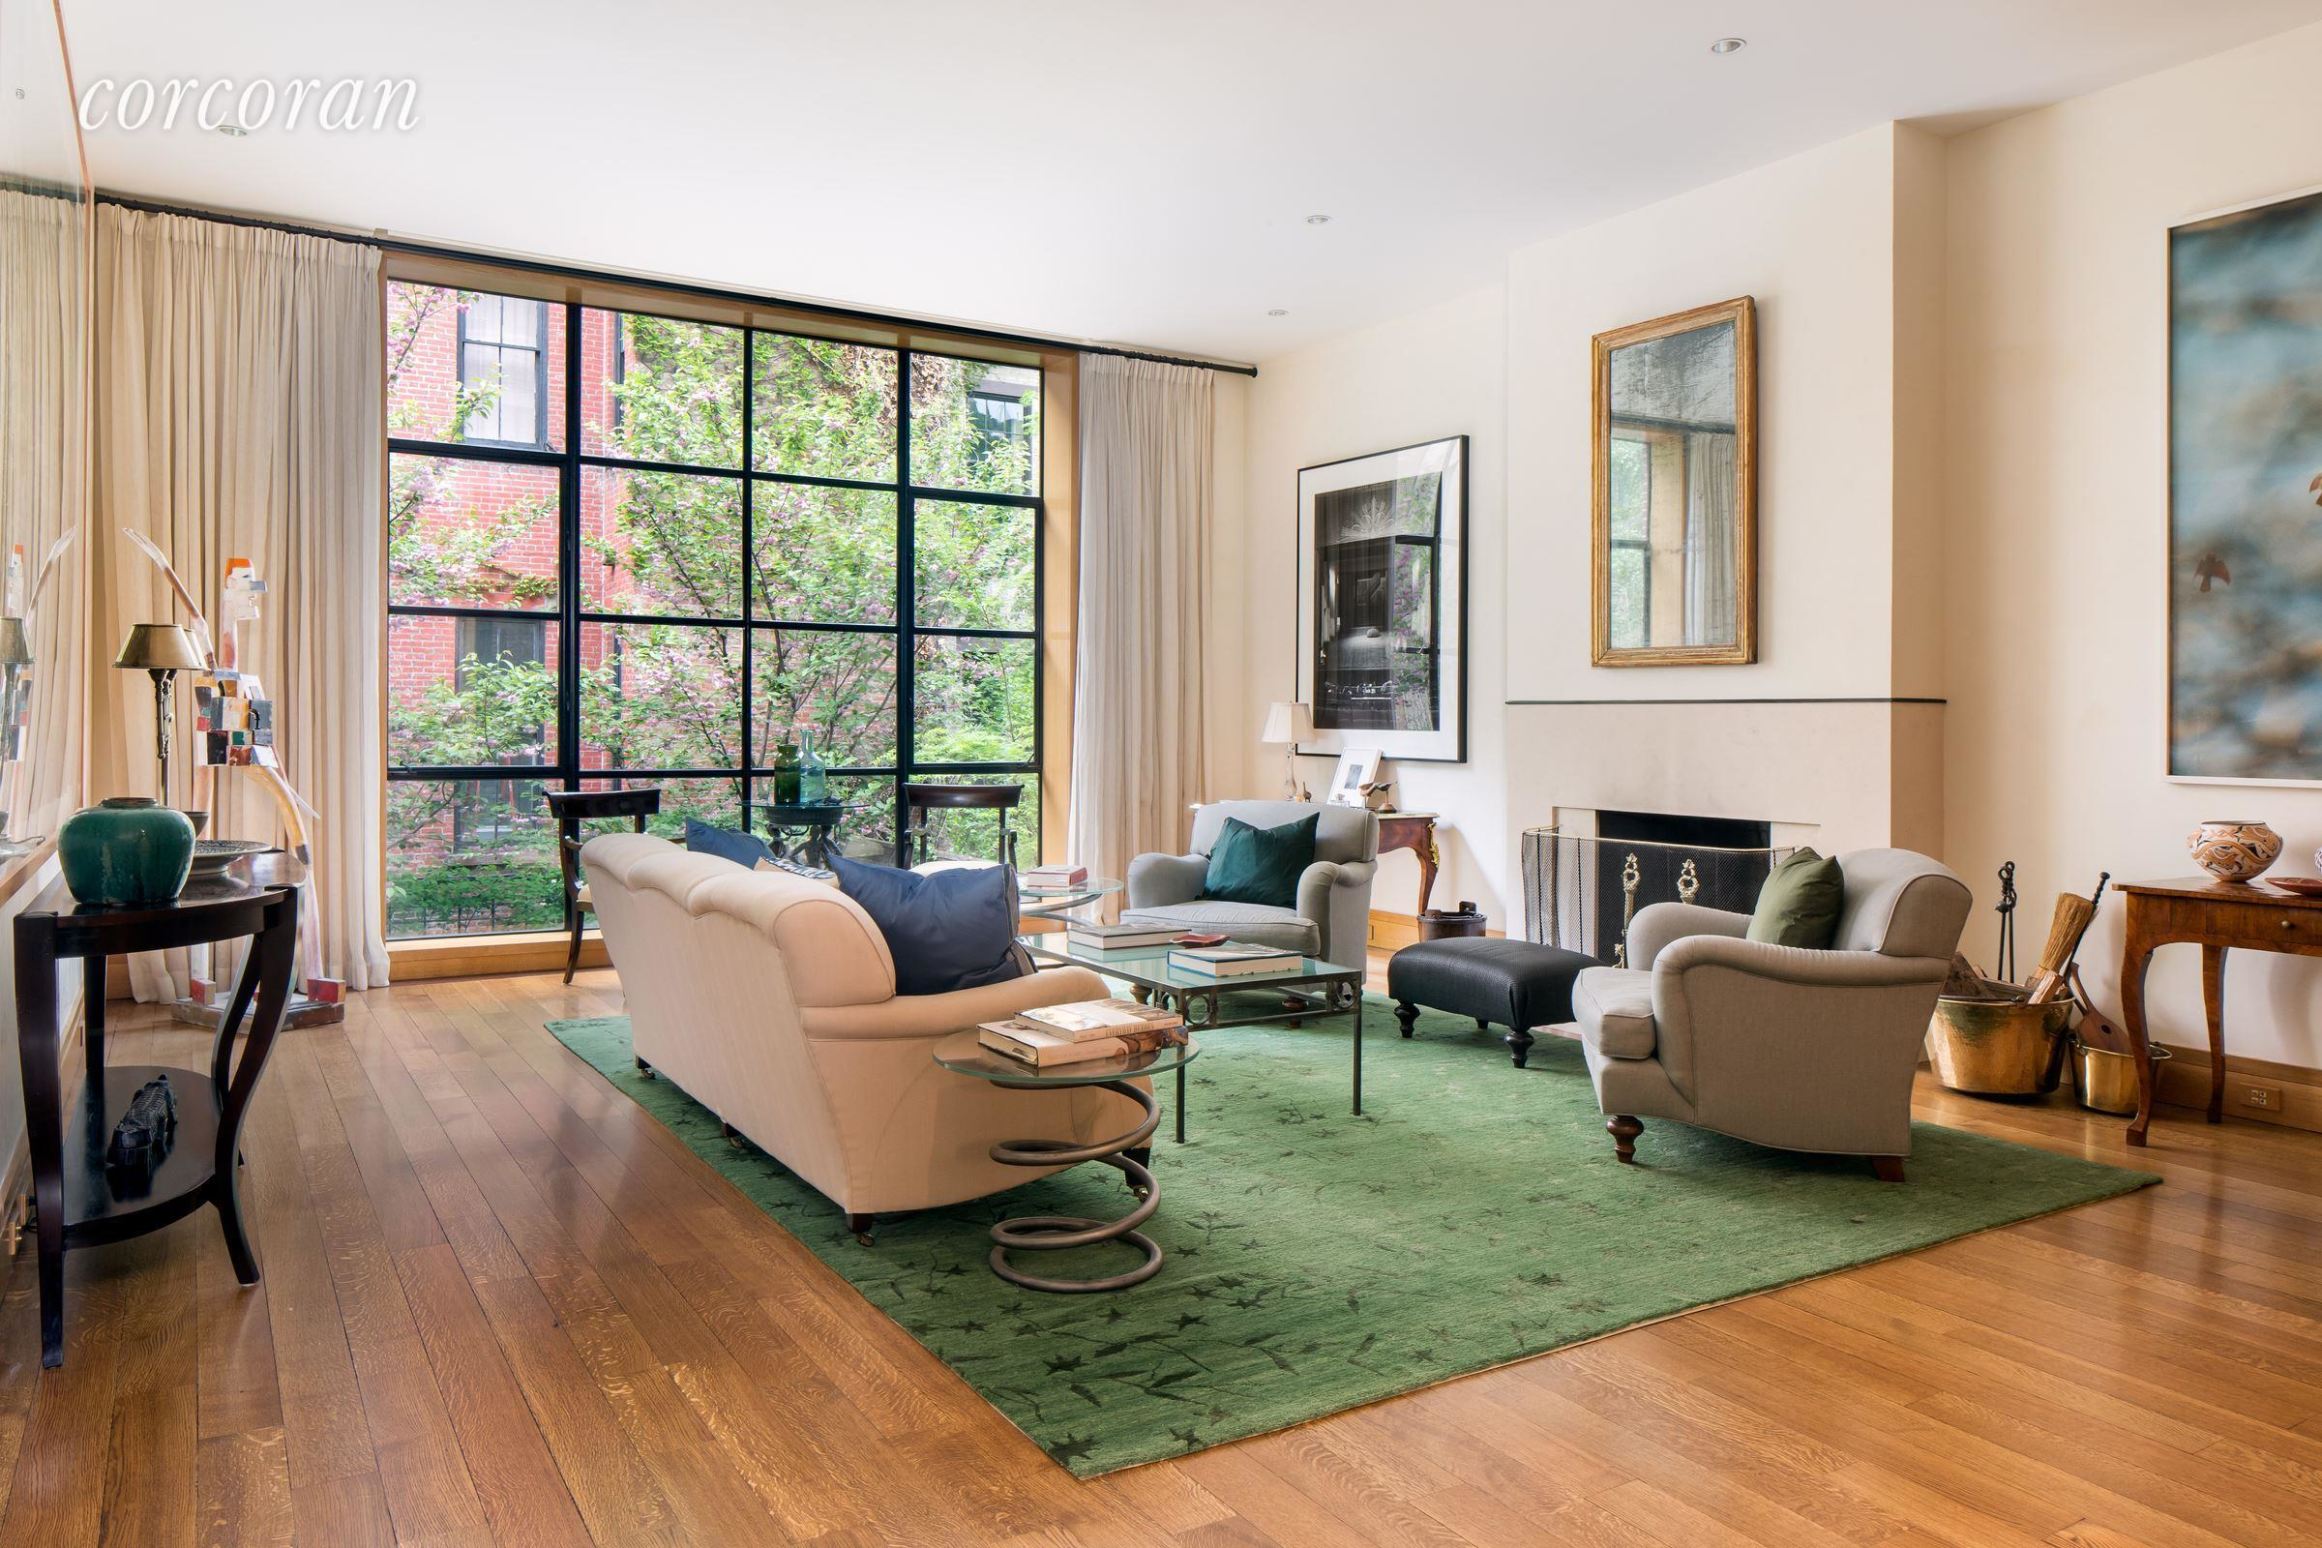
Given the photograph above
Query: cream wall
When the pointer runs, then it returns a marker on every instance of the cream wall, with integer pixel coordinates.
(2054, 434)
(1435, 373)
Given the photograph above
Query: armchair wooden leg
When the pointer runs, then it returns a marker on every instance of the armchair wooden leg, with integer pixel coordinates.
(861, 1226)
(1624, 1131)
(1889, 1168)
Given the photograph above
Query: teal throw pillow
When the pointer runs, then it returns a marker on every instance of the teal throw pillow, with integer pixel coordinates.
(1260, 865)
(1800, 903)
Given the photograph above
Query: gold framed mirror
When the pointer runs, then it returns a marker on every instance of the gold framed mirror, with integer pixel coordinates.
(1673, 531)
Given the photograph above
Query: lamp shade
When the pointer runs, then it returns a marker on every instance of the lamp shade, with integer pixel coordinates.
(1285, 723)
(159, 647)
(15, 649)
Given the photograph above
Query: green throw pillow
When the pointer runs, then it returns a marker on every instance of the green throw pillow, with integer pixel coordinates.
(1260, 865)
(1799, 904)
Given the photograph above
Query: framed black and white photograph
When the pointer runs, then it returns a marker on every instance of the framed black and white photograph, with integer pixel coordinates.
(1350, 782)
(1382, 602)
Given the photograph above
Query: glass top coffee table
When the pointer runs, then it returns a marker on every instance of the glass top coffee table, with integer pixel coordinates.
(1309, 984)
(963, 1054)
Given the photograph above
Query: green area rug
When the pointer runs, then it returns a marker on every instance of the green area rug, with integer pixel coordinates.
(1472, 1216)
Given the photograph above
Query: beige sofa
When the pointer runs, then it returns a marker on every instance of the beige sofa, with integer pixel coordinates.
(771, 1001)
(1799, 1050)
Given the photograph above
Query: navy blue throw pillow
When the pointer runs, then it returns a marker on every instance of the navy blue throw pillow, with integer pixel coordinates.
(744, 849)
(946, 930)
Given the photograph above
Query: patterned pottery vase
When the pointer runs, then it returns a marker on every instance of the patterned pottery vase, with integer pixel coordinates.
(125, 852)
(2235, 851)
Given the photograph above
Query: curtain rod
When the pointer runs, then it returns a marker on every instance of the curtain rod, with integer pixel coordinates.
(387, 244)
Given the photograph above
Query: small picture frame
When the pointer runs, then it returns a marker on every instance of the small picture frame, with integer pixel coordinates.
(1358, 768)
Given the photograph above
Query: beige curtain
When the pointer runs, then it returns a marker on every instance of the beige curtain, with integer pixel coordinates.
(239, 382)
(43, 316)
(1146, 475)
(1712, 577)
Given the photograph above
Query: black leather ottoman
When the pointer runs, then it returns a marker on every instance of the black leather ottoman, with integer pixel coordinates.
(1514, 984)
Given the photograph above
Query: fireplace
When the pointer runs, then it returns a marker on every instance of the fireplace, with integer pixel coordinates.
(1582, 887)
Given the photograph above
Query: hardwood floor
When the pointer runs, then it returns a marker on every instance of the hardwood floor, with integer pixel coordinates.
(502, 1305)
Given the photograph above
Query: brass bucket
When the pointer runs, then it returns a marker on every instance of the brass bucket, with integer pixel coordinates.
(2108, 1080)
(1997, 1047)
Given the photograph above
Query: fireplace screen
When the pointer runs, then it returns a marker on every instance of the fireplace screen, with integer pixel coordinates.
(1581, 891)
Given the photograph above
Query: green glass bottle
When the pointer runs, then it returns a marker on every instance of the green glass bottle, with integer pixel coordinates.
(786, 774)
(813, 774)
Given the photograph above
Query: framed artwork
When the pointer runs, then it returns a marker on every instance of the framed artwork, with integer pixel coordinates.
(1357, 767)
(1673, 527)
(1382, 602)
(2245, 480)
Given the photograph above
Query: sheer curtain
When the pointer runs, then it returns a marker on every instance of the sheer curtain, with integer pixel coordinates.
(1711, 580)
(239, 413)
(1146, 474)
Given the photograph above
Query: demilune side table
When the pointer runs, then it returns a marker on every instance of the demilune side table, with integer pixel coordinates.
(963, 1054)
(79, 1203)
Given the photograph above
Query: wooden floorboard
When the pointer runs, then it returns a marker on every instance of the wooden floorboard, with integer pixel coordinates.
(503, 1305)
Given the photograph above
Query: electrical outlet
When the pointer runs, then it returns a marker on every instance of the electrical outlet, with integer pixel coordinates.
(2259, 1097)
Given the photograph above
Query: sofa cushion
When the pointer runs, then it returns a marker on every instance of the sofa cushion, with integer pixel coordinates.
(946, 930)
(1255, 923)
(741, 848)
(1260, 865)
(1800, 903)
(1615, 1009)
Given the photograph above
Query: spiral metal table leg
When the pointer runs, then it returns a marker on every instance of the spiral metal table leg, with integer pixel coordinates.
(1050, 1233)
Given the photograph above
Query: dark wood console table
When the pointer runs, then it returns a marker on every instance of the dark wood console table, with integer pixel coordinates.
(79, 1205)
(1414, 831)
(2218, 917)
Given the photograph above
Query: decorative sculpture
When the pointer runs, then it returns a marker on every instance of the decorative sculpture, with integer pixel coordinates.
(142, 1138)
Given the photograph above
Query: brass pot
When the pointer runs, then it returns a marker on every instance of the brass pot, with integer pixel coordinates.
(2107, 1081)
(1997, 1047)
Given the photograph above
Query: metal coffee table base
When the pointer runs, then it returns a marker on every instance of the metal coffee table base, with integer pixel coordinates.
(1052, 1233)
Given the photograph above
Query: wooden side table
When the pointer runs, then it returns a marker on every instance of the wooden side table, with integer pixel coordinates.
(1414, 831)
(2218, 917)
(80, 1204)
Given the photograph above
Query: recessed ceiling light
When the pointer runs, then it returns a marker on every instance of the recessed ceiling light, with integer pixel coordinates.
(1318, 220)
(1277, 311)
(1729, 45)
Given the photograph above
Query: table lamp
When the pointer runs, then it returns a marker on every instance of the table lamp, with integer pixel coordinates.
(163, 650)
(1287, 725)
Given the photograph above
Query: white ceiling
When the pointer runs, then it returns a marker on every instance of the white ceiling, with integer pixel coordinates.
(1122, 170)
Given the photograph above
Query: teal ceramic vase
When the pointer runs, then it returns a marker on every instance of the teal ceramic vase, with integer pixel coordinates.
(126, 851)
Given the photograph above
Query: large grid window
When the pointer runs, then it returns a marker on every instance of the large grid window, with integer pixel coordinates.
(718, 540)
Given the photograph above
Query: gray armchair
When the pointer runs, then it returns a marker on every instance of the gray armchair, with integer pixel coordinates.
(1333, 918)
(1799, 1050)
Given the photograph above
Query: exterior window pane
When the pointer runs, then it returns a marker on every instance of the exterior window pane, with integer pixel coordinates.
(841, 687)
(973, 700)
(463, 365)
(468, 533)
(823, 409)
(463, 692)
(659, 389)
(975, 425)
(823, 555)
(660, 696)
(660, 543)
(974, 564)
(470, 857)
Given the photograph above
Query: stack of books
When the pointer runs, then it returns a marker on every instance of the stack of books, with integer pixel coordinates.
(1090, 936)
(1232, 959)
(1052, 878)
(1052, 1035)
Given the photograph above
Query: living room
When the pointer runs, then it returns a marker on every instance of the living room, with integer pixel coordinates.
(1161, 777)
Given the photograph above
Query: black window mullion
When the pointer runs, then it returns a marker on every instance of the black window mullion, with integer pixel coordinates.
(749, 565)
(906, 604)
(568, 584)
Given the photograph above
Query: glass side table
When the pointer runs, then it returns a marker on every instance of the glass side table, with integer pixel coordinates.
(962, 1054)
